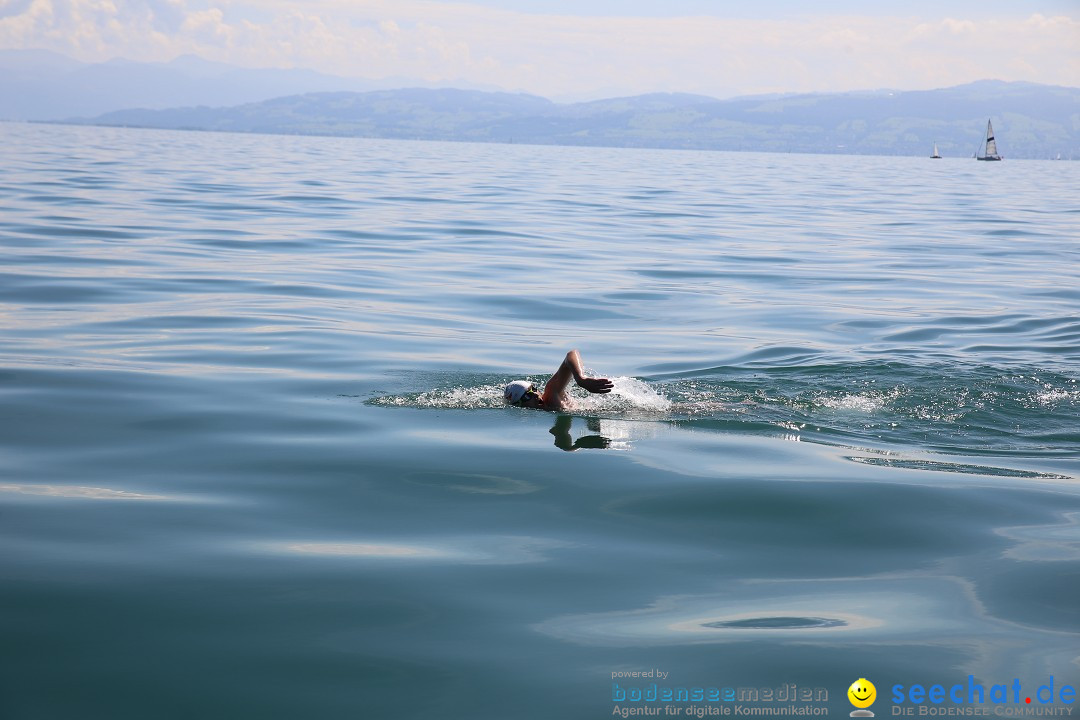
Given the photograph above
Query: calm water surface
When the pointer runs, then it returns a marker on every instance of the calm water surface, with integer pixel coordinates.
(254, 461)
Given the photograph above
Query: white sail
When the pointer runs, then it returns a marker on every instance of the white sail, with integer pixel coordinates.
(991, 144)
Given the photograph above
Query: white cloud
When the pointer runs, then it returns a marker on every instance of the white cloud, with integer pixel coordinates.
(207, 26)
(558, 55)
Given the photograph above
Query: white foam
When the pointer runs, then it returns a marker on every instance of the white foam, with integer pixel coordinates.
(628, 394)
(1056, 397)
(859, 403)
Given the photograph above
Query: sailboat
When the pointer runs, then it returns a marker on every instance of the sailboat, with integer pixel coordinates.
(936, 155)
(991, 145)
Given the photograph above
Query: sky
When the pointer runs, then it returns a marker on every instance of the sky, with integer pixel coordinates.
(586, 49)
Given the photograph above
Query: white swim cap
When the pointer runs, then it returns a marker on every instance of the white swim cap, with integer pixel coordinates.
(516, 390)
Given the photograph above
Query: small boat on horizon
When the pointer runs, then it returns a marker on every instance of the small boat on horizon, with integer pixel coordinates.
(936, 155)
(991, 145)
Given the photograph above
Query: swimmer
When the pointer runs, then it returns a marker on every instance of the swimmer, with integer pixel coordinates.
(524, 394)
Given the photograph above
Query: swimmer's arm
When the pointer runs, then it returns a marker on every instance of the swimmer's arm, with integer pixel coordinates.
(571, 368)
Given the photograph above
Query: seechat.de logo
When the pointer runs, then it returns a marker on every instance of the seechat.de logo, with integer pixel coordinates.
(862, 695)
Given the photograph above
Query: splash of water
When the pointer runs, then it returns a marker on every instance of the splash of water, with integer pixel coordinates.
(974, 410)
(458, 397)
(629, 395)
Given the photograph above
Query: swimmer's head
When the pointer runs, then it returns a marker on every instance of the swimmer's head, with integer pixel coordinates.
(520, 392)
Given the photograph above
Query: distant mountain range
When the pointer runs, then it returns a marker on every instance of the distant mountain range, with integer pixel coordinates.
(43, 85)
(1031, 120)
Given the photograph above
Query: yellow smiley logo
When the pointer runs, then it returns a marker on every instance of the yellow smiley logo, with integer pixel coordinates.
(862, 693)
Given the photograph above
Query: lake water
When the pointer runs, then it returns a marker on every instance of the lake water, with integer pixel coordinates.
(254, 461)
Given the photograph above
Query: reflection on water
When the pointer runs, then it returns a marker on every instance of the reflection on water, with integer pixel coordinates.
(906, 608)
(606, 433)
(563, 440)
(777, 623)
(474, 483)
(75, 491)
(965, 468)
(368, 550)
(1045, 543)
(486, 550)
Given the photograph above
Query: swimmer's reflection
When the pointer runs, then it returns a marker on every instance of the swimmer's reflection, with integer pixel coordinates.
(563, 440)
